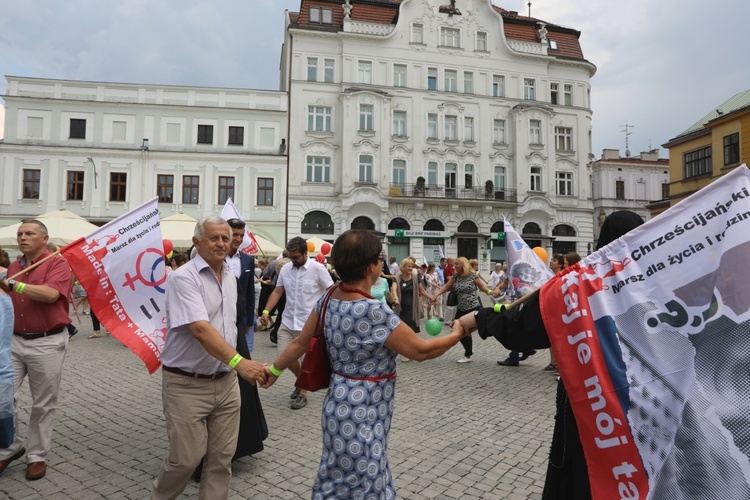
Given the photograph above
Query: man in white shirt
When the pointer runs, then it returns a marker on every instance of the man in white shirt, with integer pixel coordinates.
(395, 269)
(304, 282)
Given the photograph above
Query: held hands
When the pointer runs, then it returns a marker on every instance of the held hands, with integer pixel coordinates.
(456, 327)
(252, 371)
(270, 378)
(264, 320)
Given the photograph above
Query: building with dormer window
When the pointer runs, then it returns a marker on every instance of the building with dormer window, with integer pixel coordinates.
(429, 123)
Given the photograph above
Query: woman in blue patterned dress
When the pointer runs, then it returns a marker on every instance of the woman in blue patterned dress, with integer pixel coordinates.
(363, 337)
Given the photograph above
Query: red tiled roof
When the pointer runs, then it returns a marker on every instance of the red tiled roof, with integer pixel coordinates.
(517, 27)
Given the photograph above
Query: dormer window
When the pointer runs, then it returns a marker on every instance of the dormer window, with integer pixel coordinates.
(553, 44)
(320, 15)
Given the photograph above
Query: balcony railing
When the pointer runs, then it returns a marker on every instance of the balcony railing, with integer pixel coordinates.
(458, 192)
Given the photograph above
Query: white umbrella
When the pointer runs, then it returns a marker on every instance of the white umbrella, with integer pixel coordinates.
(271, 250)
(179, 229)
(63, 227)
(318, 242)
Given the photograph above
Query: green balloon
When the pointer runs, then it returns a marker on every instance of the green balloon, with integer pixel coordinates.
(434, 326)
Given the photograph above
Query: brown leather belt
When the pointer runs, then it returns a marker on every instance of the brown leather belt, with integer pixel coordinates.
(30, 336)
(169, 369)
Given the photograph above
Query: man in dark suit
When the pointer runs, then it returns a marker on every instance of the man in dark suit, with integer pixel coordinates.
(243, 267)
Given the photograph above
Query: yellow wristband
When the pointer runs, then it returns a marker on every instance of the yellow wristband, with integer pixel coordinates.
(489, 292)
(275, 371)
(265, 312)
(19, 288)
(234, 361)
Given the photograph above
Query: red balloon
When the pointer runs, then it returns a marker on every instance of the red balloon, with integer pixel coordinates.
(320, 258)
(167, 246)
(325, 248)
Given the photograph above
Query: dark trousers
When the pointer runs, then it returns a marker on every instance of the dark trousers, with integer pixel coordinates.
(467, 342)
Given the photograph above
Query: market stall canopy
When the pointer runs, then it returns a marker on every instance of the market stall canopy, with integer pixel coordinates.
(63, 227)
(179, 229)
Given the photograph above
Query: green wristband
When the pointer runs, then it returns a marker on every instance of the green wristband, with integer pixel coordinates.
(489, 292)
(265, 312)
(235, 360)
(19, 287)
(275, 371)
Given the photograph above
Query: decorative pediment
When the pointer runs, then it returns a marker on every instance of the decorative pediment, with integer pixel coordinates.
(318, 147)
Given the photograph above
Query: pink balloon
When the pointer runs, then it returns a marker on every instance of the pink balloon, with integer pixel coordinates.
(320, 258)
(325, 248)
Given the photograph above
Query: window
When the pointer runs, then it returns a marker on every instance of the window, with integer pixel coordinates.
(732, 148)
(535, 132)
(364, 72)
(499, 180)
(564, 182)
(236, 136)
(77, 128)
(319, 118)
(317, 222)
(399, 123)
(498, 131)
(468, 176)
(620, 190)
(451, 80)
(451, 128)
(481, 41)
(31, 181)
(431, 78)
(498, 86)
(553, 44)
(529, 89)
(468, 129)
(75, 185)
(330, 66)
(320, 15)
(365, 168)
(432, 172)
(564, 138)
(568, 94)
(365, 117)
(450, 180)
(399, 172)
(468, 82)
(190, 188)
(312, 69)
(226, 189)
(118, 186)
(698, 162)
(205, 134)
(535, 179)
(165, 188)
(432, 126)
(318, 169)
(399, 75)
(265, 191)
(450, 37)
(665, 190)
(417, 31)
(554, 93)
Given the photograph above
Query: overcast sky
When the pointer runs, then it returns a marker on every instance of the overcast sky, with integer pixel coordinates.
(661, 65)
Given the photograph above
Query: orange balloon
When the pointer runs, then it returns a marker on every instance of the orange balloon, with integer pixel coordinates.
(310, 246)
(541, 253)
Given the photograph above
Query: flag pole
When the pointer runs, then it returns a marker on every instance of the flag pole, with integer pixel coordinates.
(523, 299)
(33, 266)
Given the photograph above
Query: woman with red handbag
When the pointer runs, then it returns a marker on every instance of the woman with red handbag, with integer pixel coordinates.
(362, 337)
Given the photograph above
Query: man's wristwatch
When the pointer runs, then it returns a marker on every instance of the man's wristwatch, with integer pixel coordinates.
(11, 284)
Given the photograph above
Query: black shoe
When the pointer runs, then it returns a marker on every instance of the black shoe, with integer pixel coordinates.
(507, 362)
(197, 473)
(525, 354)
(274, 338)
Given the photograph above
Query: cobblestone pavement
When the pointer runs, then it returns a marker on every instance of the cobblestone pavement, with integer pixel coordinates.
(475, 430)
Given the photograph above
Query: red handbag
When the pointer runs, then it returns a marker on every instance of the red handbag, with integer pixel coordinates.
(315, 373)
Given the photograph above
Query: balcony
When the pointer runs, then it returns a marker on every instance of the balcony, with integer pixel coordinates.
(479, 193)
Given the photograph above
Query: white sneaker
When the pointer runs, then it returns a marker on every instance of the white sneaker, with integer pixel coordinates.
(464, 360)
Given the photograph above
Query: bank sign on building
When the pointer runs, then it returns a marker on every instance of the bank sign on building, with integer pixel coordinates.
(428, 121)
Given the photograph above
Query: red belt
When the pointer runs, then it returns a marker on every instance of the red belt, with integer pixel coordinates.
(390, 376)
(30, 336)
(169, 369)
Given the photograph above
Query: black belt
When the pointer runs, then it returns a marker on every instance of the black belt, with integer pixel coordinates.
(169, 369)
(30, 336)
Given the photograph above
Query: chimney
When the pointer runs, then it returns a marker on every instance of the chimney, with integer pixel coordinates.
(652, 155)
(610, 154)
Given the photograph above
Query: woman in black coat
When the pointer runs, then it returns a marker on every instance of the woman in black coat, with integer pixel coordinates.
(522, 329)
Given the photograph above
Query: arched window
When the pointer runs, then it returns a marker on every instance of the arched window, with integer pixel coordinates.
(532, 228)
(433, 225)
(399, 223)
(317, 222)
(563, 230)
(468, 226)
(363, 222)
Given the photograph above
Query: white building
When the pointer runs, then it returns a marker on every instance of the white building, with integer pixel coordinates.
(100, 149)
(627, 183)
(430, 125)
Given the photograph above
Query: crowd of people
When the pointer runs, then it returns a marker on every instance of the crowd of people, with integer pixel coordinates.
(217, 297)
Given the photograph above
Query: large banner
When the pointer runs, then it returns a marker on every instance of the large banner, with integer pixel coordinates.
(526, 271)
(122, 268)
(249, 245)
(652, 338)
